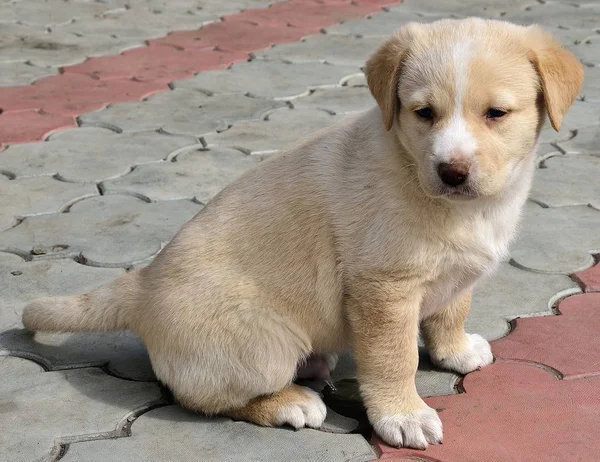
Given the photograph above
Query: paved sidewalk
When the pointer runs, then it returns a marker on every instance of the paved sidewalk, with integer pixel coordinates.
(136, 143)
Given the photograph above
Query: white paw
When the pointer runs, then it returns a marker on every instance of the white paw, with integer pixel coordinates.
(477, 355)
(309, 412)
(415, 430)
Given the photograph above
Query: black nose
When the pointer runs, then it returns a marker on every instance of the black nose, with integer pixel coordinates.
(453, 173)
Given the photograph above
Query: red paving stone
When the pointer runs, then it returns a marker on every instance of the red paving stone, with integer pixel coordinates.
(590, 279)
(157, 64)
(27, 126)
(515, 412)
(234, 35)
(569, 343)
(97, 82)
(73, 94)
(517, 408)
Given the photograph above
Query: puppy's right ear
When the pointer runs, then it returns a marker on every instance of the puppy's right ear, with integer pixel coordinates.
(383, 72)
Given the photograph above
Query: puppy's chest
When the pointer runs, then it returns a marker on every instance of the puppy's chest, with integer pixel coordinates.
(457, 268)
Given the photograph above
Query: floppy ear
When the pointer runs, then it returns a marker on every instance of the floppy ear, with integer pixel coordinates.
(383, 71)
(561, 76)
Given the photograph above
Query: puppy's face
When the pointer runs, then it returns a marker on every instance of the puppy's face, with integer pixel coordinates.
(467, 100)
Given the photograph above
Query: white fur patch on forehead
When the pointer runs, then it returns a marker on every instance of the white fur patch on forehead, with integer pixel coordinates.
(455, 140)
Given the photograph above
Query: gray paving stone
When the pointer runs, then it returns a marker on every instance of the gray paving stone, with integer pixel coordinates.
(430, 381)
(384, 24)
(566, 14)
(513, 292)
(41, 408)
(182, 112)
(591, 84)
(22, 43)
(172, 434)
(557, 240)
(281, 129)
(357, 80)
(338, 100)
(586, 141)
(110, 230)
(33, 196)
(22, 73)
(198, 173)
(483, 8)
(569, 179)
(272, 79)
(91, 154)
(347, 50)
(581, 114)
(140, 23)
(23, 281)
(51, 12)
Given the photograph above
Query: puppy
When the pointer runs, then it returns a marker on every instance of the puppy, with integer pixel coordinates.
(358, 237)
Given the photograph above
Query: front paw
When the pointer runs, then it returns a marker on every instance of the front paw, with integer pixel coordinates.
(414, 430)
(477, 355)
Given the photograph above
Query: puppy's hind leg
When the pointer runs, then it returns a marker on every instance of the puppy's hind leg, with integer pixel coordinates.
(294, 405)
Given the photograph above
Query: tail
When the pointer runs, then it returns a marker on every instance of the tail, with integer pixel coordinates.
(104, 309)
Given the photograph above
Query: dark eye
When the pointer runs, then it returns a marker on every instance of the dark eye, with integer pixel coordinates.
(495, 113)
(425, 113)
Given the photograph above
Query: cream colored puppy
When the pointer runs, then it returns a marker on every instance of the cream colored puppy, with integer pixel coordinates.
(357, 237)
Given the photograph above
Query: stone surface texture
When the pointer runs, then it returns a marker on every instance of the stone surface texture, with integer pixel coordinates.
(120, 119)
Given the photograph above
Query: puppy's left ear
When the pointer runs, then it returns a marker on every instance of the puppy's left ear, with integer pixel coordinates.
(383, 72)
(561, 75)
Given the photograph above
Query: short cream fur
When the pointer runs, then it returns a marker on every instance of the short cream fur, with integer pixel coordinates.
(349, 240)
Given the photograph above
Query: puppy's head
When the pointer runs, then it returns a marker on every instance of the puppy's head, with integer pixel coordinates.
(467, 99)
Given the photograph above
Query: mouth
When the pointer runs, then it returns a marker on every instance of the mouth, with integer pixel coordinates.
(463, 193)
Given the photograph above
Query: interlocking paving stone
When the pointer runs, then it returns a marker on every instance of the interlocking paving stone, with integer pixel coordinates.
(508, 294)
(74, 94)
(23, 281)
(51, 12)
(568, 180)
(173, 434)
(157, 64)
(22, 73)
(34, 196)
(590, 279)
(311, 14)
(39, 407)
(198, 173)
(282, 128)
(430, 381)
(515, 411)
(564, 14)
(383, 25)
(140, 22)
(183, 111)
(591, 84)
(233, 34)
(55, 48)
(575, 333)
(586, 141)
(339, 100)
(27, 126)
(588, 50)
(347, 50)
(581, 114)
(274, 79)
(105, 154)
(110, 230)
(557, 240)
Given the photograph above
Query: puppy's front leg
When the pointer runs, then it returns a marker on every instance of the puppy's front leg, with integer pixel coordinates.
(449, 346)
(385, 325)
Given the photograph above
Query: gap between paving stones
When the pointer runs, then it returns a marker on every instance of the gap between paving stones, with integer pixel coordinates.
(43, 108)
